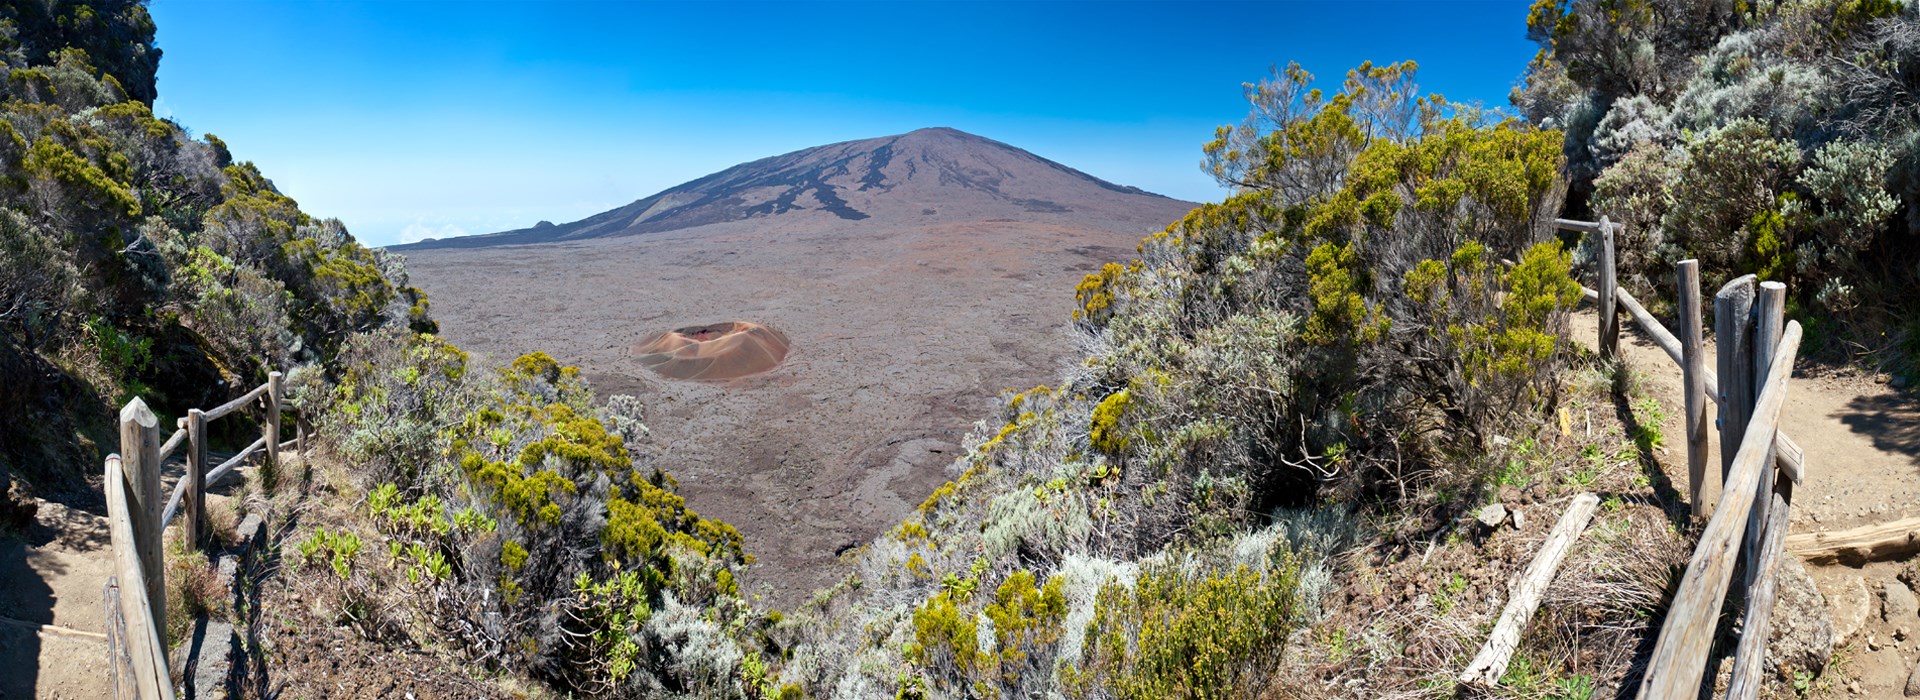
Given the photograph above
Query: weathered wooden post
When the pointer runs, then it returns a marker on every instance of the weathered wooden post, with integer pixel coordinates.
(1679, 659)
(1767, 521)
(195, 496)
(272, 426)
(1769, 317)
(140, 460)
(1733, 341)
(1694, 379)
(1609, 304)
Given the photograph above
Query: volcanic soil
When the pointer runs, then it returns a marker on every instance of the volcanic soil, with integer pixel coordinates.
(903, 321)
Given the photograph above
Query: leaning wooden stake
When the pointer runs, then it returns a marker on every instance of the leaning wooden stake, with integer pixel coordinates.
(1609, 308)
(126, 685)
(139, 459)
(1491, 663)
(1693, 370)
(1680, 657)
(1749, 659)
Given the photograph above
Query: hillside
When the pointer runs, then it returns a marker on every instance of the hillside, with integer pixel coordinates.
(928, 175)
(951, 286)
(929, 417)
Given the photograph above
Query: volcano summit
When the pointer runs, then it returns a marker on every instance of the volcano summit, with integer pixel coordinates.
(910, 278)
(936, 174)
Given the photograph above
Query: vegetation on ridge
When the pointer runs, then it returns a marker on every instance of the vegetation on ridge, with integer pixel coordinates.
(136, 260)
(1777, 138)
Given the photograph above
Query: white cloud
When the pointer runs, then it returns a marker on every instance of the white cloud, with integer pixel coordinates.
(420, 230)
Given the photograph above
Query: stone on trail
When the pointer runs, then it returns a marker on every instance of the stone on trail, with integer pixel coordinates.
(1851, 605)
(1492, 515)
(1901, 606)
(1802, 636)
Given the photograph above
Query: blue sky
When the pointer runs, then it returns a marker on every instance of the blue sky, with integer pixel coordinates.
(413, 119)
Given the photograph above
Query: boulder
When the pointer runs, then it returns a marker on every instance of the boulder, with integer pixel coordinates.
(1492, 515)
(1849, 606)
(1901, 607)
(1802, 635)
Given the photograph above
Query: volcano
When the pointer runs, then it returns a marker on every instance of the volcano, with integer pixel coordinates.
(936, 174)
(815, 333)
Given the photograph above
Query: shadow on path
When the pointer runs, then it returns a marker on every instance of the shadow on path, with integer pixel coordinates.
(1890, 420)
(26, 601)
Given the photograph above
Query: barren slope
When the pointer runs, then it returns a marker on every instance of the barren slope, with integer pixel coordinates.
(904, 325)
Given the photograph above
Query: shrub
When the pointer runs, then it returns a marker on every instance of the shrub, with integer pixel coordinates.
(1108, 436)
(1634, 192)
(1844, 180)
(1730, 174)
(1173, 634)
(526, 528)
(1014, 655)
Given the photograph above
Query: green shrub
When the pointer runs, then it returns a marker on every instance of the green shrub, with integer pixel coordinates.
(1107, 434)
(1171, 634)
(1731, 174)
(506, 488)
(338, 549)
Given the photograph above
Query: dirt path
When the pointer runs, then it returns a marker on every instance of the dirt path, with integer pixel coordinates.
(52, 628)
(1862, 441)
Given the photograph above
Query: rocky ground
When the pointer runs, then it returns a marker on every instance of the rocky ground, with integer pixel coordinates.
(1861, 435)
(900, 339)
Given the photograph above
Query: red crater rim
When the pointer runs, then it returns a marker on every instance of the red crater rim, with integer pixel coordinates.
(713, 352)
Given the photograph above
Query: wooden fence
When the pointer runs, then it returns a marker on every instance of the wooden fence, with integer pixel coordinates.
(1748, 525)
(137, 610)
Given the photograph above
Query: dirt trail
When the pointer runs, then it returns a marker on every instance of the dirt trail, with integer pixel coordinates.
(1862, 442)
(52, 628)
(52, 620)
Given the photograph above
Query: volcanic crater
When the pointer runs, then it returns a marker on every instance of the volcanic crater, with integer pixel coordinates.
(713, 352)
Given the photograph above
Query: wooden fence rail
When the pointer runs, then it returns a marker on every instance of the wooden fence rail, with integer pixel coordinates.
(1756, 350)
(136, 599)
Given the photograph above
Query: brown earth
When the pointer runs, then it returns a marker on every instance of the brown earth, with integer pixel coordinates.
(915, 277)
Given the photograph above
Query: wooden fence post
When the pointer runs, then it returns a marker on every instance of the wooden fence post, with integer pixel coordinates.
(195, 498)
(1609, 305)
(1679, 659)
(273, 418)
(1767, 521)
(1694, 379)
(140, 453)
(1733, 339)
(1769, 316)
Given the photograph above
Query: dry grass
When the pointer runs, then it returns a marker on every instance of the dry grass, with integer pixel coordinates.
(1410, 610)
(194, 589)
